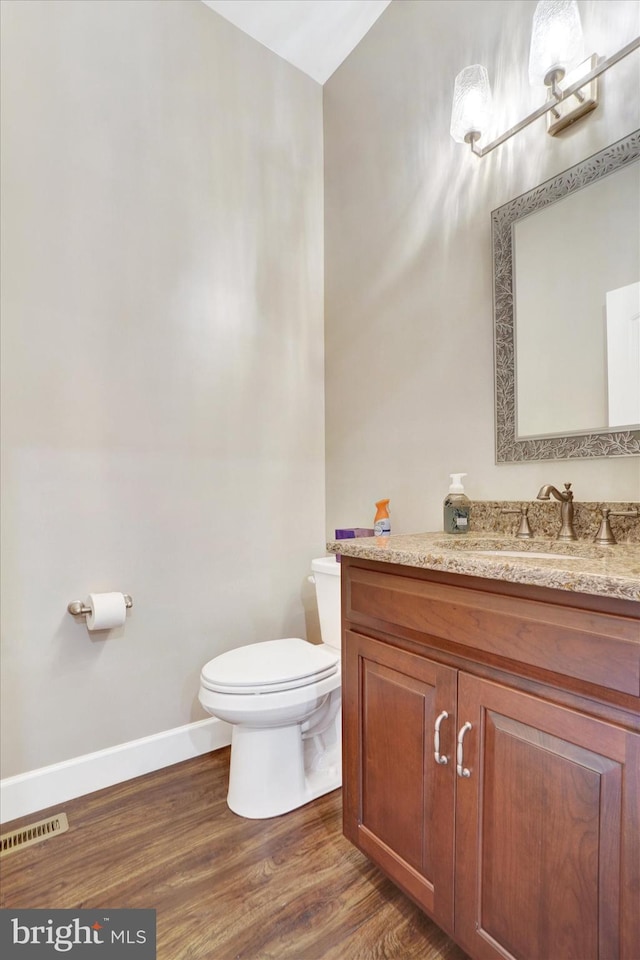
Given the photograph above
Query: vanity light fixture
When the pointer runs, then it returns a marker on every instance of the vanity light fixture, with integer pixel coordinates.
(555, 60)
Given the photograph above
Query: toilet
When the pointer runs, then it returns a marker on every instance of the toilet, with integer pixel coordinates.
(283, 699)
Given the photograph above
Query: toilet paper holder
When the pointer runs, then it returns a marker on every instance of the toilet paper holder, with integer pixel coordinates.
(78, 609)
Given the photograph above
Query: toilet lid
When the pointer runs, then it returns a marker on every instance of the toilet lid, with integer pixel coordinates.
(269, 667)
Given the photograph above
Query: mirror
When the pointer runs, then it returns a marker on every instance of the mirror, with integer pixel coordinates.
(566, 259)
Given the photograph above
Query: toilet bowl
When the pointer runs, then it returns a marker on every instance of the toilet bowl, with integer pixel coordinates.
(283, 699)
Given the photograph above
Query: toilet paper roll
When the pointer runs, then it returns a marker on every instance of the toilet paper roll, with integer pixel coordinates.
(107, 610)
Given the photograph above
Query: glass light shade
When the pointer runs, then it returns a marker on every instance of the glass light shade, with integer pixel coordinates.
(556, 39)
(471, 102)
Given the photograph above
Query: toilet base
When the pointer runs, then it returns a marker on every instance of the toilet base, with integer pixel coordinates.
(275, 770)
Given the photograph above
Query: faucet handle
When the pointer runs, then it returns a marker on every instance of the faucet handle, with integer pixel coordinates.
(524, 530)
(605, 533)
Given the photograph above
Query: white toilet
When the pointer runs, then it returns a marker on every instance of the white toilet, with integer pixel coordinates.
(283, 699)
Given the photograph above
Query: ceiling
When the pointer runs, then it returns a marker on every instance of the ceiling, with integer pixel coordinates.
(313, 35)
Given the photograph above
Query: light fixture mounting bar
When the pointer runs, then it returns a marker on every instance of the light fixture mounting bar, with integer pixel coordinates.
(551, 103)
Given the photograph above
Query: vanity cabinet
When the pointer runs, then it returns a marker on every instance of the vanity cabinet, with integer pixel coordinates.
(492, 757)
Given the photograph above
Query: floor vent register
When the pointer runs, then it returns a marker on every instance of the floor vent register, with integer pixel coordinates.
(34, 833)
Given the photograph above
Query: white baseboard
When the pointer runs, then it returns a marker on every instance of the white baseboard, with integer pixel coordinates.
(48, 786)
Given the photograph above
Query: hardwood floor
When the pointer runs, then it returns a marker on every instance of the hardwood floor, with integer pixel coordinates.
(225, 888)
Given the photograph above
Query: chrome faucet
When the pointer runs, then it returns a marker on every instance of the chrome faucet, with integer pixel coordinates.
(566, 531)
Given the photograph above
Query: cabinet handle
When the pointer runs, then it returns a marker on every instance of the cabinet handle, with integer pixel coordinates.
(436, 739)
(462, 770)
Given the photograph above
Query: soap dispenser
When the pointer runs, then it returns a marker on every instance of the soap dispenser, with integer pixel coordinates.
(457, 507)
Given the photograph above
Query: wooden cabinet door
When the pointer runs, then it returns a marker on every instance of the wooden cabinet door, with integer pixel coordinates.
(547, 830)
(398, 800)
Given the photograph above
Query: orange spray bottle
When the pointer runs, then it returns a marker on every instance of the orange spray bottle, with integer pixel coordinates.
(382, 523)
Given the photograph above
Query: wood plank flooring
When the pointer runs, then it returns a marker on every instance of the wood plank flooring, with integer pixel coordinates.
(225, 888)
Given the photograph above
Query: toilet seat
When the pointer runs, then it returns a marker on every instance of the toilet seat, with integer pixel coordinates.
(269, 667)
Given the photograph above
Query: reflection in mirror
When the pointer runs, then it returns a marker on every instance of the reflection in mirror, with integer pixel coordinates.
(567, 312)
(576, 273)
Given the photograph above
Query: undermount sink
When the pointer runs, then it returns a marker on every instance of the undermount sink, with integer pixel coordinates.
(527, 550)
(528, 554)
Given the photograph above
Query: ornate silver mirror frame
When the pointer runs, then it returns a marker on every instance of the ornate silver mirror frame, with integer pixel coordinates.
(509, 448)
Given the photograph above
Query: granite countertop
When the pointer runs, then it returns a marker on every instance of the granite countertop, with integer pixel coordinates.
(580, 566)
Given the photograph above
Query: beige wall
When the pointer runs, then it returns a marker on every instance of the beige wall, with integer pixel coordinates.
(408, 274)
(163, 360)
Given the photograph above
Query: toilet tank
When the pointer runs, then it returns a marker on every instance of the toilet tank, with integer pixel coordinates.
(326, 573)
